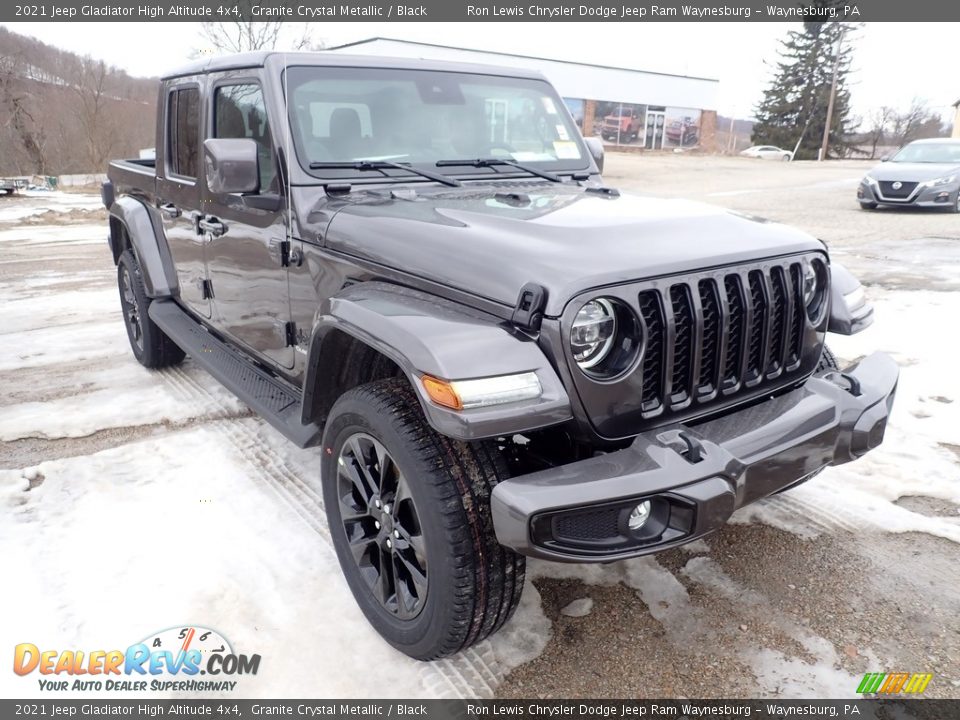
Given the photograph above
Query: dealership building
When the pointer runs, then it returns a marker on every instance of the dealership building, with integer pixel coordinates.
(630, 109)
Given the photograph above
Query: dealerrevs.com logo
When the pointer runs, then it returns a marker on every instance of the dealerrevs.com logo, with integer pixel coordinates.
(170, 660)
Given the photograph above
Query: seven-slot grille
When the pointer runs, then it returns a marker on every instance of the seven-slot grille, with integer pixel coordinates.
(713, 336)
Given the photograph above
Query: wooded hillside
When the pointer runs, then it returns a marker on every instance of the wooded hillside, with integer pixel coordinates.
(62, 113)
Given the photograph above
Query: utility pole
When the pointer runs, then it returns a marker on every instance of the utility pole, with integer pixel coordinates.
(833, 93)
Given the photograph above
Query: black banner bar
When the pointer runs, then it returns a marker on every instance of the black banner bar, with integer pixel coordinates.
(485, 10)
(873, 709)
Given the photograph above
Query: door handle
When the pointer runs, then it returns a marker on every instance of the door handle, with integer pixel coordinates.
(170, 210)
(212, 225)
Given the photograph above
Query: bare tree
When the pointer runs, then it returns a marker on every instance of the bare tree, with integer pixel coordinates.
(14, 97)
(916, 122)
(879, 121)
(92, 98)
(61, 113)
(243, 36)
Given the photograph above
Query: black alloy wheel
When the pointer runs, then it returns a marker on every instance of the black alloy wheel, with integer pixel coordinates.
(382, 525)
(131, 309)
(151, 347)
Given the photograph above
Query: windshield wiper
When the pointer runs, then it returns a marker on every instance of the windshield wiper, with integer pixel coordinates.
(493, 162)
(383, 165)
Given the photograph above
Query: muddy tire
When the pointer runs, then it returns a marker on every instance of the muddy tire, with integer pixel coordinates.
(151, 347)
(409, 515)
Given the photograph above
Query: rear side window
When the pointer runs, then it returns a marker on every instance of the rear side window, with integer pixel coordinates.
(183, 132)
(239, 112)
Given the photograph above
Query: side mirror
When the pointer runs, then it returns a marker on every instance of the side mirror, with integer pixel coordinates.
(595, 146)
(884, 158)
(231, 165)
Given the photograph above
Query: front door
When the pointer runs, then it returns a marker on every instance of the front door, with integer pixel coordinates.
(178, 191)
(246, 246)
(653, 138)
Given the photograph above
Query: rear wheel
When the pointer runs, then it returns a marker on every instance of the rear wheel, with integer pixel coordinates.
(150, 346)
(409, 515)
(786, 157)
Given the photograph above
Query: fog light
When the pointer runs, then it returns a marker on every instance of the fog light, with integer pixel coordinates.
(639, 516)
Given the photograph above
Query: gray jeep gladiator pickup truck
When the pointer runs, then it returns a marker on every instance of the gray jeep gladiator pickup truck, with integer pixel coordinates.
(417, 267)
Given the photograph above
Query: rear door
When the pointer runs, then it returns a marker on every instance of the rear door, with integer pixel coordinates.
(248, 250)
(178, 189)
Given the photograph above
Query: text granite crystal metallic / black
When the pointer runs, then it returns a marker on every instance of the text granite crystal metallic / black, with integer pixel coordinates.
(418, 268)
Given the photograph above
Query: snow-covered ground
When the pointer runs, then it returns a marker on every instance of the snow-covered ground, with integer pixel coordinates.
(133, 501)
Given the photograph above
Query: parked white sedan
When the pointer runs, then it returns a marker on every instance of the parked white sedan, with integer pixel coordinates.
(768, 152)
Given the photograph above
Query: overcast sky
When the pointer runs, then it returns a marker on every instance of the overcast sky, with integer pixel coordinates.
(893, 62)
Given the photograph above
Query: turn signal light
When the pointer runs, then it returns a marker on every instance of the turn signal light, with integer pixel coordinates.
(482, 392)
(441, 392)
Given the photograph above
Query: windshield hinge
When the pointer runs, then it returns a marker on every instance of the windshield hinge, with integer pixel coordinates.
(528, 312)
(337, 188)
(604, 191)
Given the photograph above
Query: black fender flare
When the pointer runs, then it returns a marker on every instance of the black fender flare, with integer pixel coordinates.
(144, 229)
(426, 335)
(850, 312)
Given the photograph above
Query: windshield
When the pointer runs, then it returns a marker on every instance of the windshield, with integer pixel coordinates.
(422, 117)
(929, 153)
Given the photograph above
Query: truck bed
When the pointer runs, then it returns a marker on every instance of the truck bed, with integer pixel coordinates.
(134, 177)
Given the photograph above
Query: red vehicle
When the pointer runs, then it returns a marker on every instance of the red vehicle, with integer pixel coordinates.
(623, 125)
(683, 132)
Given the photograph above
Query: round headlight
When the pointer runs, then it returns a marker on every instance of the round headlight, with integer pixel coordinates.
(593, 332)
(814, 287)
(809, 284)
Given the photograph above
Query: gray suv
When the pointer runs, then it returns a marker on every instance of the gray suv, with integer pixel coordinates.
(417, 268)
(925, 173)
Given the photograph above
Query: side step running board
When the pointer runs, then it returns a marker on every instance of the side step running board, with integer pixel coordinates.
(275, 401)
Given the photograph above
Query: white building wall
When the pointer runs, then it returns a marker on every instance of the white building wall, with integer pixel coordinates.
(572, 80)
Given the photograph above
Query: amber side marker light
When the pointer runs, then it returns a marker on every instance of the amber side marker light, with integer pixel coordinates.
(441, 392)
(482, 392)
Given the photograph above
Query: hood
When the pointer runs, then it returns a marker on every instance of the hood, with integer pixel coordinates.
(491, 239)
(912, 172)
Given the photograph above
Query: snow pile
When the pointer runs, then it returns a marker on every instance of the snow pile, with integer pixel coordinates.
(920, 452)
(28, 203)
(181, 530)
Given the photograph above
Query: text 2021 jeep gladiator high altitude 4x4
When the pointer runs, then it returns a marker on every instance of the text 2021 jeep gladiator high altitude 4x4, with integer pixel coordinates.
(417, 267)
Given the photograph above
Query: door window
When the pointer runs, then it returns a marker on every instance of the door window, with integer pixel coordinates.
(183, 131)
(239, 112)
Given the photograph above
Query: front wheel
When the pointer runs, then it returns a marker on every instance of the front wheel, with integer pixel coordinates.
(409, 515)
(868, 206)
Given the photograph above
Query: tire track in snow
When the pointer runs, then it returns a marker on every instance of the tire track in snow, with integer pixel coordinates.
(473, 673)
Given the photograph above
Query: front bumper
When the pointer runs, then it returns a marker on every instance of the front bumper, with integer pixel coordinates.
(695, 477)
(937, 196)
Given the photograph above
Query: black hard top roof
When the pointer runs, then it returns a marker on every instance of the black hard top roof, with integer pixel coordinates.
(264, 58)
